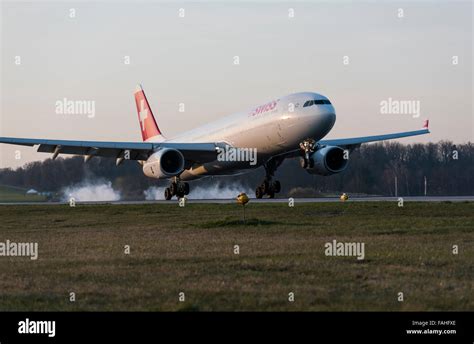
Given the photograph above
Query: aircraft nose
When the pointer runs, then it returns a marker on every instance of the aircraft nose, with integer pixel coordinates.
(329, 117)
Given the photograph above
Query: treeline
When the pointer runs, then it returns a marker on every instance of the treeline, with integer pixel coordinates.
(375, 169)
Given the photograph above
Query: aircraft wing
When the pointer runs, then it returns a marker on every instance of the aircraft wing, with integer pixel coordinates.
(354, 142)
(192, 152)
(357, 141)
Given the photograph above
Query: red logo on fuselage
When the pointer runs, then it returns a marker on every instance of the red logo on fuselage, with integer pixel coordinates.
(264, 108)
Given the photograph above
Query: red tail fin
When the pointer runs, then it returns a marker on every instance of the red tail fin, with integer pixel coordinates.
(145, 116)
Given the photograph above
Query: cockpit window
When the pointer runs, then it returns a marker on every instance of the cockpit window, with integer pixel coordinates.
(317, 102)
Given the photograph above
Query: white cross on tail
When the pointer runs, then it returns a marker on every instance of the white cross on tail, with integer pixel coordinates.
(143, 113)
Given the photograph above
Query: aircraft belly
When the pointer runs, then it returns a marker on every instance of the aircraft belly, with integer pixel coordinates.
(219, 168)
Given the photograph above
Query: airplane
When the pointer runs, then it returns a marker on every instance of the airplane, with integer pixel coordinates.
(288, 127)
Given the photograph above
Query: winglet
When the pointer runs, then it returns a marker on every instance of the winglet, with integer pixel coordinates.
(426, 123)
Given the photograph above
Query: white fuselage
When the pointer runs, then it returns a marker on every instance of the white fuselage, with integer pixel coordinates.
(272, 128)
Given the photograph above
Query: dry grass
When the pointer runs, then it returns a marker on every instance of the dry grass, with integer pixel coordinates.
(190, 249)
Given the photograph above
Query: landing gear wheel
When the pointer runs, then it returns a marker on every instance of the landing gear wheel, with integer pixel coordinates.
(265, 187)
(177, 188)
(268, 186)
(186, 188)
(259, 192)
(173, 188)
(276, 186)
(168, 194)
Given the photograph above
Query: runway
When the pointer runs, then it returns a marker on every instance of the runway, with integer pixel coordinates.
(275, 200)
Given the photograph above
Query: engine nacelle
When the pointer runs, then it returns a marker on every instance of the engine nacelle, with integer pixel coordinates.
(164, 163)
(328, 160)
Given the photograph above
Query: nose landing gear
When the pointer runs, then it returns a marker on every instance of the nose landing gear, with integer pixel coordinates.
(308, 147)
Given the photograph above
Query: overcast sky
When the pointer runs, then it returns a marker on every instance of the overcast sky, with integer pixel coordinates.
(190, 60)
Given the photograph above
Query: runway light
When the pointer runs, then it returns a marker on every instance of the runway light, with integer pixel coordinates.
(242, 198)
(344, 197)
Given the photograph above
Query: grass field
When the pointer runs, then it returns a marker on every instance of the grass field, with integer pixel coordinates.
(11, 194)
(191, 250)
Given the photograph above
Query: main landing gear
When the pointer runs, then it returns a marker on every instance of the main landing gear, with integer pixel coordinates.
(177, 188)
(268, 186)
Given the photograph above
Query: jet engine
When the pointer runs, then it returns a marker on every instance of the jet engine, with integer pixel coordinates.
(326, 161)
(164, 163)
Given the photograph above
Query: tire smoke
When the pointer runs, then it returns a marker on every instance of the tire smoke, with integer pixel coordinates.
(91, 191)
(214, 191)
